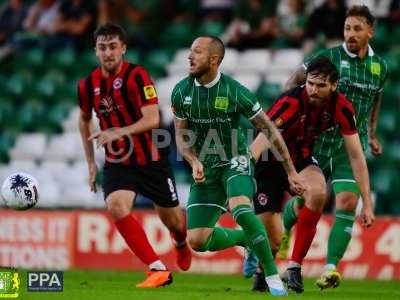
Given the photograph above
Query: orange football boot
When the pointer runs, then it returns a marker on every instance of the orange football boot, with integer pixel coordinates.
(156, 279)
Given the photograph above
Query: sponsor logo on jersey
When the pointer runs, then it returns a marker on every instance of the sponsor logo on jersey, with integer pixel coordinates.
(221, 103)
(107, 105)
(149, 92)
(97, 91)
(376, 69)
(347, 82)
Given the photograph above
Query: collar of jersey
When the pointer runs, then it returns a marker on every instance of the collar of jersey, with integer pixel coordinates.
(211, 83)
(352, 55)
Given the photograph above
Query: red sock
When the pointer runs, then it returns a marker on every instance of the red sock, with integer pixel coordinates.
(135, 237)
(306, 228)
(180, 236)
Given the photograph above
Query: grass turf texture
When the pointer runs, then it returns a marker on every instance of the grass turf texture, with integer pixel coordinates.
(86, 285)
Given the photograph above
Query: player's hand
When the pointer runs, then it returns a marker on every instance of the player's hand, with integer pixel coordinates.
(376, 147)
(297, 183)
(106, 136)
(367, 216)
(198, 172)
(92, 177)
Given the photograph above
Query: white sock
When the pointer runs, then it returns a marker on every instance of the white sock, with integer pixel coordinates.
(157, 265)
(274, 282)
(330, 267)
(293, 264)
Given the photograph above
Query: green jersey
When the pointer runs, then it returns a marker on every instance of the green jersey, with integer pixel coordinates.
(213, 112)
(360, 80)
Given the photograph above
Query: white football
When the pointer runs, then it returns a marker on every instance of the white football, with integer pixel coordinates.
(20, 191)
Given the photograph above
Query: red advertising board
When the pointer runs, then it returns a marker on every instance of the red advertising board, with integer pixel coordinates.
(37, 239)
(88, 239)
(373, 253)
(99, 245)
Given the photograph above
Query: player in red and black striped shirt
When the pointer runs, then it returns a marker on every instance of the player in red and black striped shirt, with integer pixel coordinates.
(302, 114)
(125, 101)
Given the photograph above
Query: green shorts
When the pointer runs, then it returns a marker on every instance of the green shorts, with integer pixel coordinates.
(208, 200)
(338, 168)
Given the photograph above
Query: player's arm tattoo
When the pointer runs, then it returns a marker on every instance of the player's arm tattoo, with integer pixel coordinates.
(296, 79)
(185, 140)
(268, 128)
(373, 120)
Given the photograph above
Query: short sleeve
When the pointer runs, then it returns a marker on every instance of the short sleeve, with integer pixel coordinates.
(146, 90)
(248, 104)
(283, 111)
(177, 104)
(84, 100)
(345, 116)
(385, 73)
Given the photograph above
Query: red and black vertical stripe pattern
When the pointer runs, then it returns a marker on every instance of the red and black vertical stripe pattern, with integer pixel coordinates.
(120, 106)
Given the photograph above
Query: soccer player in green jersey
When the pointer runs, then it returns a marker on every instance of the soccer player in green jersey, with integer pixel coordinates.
(207, 107)
(361, 79)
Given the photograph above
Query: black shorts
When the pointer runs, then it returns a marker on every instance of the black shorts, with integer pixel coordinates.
(272, 183)
(155, 181)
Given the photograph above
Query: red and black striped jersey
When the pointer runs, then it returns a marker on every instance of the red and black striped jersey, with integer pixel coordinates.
(301, 123)
(117, 101)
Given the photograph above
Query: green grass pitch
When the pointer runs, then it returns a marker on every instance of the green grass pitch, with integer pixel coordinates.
(120, 285)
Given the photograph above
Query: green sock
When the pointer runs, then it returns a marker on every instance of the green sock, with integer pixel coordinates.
(256, 235)
(289, 217)
(223, 238)
(340, 236)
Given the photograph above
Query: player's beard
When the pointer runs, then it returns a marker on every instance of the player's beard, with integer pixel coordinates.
(354, 46)
(200, 72)
(112, 67)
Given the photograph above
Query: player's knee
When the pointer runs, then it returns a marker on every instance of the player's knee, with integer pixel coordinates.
(316, 197)
(117, 208)
(197, 240)
(346, 201)
(196, 243)
(238, 200)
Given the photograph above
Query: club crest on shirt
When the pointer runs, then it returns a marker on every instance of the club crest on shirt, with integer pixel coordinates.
(117, 83)
(96, 91)
(149, 92)
(221, 103)
(376, 69)
(187, 100)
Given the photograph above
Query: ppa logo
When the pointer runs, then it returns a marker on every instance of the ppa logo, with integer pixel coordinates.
(45, 281)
